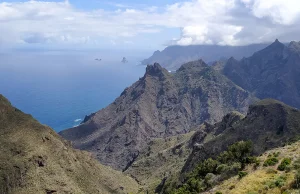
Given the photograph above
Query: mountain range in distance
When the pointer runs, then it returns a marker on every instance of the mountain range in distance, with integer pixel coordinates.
(172, 57)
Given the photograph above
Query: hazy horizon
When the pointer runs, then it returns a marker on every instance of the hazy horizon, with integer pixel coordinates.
(53, 86)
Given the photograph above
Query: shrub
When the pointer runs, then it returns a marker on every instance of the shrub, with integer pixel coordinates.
(218, 192)
(280, 181)
(207, 166)
(242, 174)
(296, 164)
(210, 179)
(241, 150)
(222, 168)
(284, 163)
(195, 185)
(227, 164)
(297, 179)
(271, 161)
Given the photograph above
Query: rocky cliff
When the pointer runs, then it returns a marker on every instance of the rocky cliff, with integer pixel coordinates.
(268, 124)
(273, 72)
(160, 104)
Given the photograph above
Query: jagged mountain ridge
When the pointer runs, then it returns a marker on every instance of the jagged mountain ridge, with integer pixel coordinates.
(160, 104)
(268, 124)
(34, 159)
(273, 72)
(173, 57)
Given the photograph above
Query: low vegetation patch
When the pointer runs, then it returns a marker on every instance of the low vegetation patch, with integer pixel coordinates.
(277, 182)
(271, 161)
(284, 164)
(212, 171)
(297, 175)
(242, 174)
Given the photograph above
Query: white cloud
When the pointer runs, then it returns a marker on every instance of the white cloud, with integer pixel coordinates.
(223, 22)
(279, 11)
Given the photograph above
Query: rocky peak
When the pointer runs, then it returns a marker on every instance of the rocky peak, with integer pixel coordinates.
(275, 45)
(270, 73)
(275, 49)
(156, 52)
(266, 106)
(155, 70)
(232, 60)
(158, 105)
(193, 66)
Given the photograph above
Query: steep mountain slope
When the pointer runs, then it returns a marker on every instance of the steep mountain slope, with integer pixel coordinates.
(268, 124)
(273, 72)
(173, 57)
(34, 159)
(162, 157)
(165, 157)
(267, 179)
(159, 105)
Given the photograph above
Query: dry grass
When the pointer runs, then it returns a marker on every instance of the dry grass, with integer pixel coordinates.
(258, 181)
(34, 159)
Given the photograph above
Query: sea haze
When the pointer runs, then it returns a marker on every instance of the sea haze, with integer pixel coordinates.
(59, 88)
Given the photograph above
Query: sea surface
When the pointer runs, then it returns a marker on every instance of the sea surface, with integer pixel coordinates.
(59, 88)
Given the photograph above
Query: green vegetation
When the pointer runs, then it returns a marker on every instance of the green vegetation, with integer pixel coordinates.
(242, 174)
(267, 180)
(211, 171)
(277, 182)
(297, 175)
(297, 179)
(271, 161)
(284, 164)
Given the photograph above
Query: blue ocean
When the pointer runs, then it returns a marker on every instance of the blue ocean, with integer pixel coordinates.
(59, 88)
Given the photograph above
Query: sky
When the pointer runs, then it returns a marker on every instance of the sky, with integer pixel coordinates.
(145, 25)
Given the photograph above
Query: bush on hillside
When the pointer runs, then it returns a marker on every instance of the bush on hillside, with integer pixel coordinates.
(297, 179)
(210, 171)
(284, 164)
(271, 161)
(242, 174)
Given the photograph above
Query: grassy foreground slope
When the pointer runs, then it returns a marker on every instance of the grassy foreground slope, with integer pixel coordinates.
(34, 159)
(268, 178)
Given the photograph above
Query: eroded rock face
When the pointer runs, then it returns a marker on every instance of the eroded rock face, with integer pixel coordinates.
(268, 124)
(273, 72)
(160, 104)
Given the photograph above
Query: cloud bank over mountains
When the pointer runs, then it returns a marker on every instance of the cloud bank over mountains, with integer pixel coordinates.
(221, 22)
